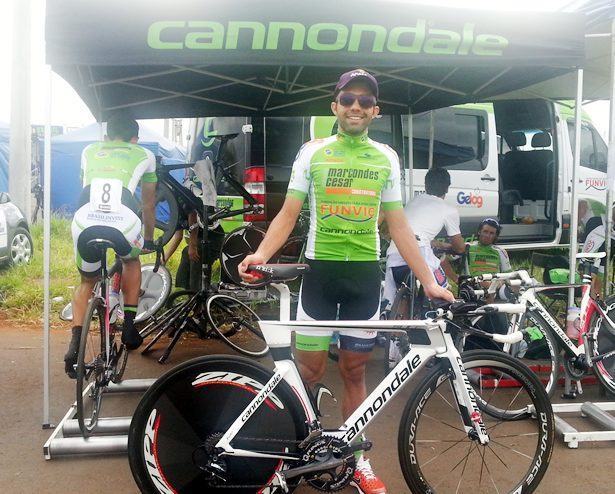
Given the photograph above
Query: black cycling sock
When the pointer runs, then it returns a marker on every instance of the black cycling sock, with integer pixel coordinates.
(70, 359)
(130, 336)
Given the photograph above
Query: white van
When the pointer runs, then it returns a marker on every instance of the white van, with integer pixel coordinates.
(508, 159)
(512, 160)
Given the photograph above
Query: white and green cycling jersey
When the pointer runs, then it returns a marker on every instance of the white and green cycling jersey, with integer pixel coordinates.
(348, 179)
(120, 160)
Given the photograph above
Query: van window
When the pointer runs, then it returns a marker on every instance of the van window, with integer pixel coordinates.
(600, 152)
(458, 140)
(593, 149)
(283, 138)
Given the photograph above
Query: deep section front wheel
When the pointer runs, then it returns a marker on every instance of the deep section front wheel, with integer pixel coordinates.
(174, 430)
(438, 455)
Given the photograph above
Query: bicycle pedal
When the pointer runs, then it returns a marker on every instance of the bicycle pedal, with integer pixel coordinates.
(362, 446)
(569, 396)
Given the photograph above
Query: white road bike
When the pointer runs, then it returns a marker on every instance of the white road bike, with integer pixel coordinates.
(225, 423)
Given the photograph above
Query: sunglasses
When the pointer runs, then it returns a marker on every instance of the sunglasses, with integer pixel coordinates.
(366, 101)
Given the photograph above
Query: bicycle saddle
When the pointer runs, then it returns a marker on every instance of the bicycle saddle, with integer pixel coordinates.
(278, 272)
(100, 243)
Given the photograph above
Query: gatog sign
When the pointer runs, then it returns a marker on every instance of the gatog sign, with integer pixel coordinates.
(324, 37)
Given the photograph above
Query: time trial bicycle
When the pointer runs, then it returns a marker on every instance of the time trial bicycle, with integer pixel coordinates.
(228, 424)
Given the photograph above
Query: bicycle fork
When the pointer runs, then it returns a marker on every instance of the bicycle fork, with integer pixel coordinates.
(466, 399)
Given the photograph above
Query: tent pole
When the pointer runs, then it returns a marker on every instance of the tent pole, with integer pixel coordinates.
(574, 221)
(610, 168)
(46, 248)
(431, 138)
(410, 182)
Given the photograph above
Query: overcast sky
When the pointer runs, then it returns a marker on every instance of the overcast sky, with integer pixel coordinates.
(69, 110)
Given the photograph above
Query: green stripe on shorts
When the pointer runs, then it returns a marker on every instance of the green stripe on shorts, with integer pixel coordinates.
(309, 343)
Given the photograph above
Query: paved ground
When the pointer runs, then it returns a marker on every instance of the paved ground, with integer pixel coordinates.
(24, 470)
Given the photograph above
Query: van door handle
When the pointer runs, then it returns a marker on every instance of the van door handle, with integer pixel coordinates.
(488, 178)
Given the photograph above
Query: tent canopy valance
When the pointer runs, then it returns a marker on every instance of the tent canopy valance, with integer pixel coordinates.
(192, 58)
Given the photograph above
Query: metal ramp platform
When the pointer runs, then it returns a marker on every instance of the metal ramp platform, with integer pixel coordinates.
(597, 413)
(110, 436)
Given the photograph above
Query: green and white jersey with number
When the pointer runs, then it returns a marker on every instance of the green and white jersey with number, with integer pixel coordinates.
(111, 171)
(347, 179)
(124, 161)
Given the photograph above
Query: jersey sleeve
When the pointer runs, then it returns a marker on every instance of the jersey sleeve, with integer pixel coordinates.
(391, 193)
(149, 173)
(504, 260)
(451, 222)
(299, 184)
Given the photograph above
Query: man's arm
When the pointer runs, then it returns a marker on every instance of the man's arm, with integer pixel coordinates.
(405, 240)
(278, 232)
(148, 196)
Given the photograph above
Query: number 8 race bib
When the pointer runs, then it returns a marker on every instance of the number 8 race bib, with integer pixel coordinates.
(106, 195)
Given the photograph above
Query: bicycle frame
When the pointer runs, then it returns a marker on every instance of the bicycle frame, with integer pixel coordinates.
(590, 310)
(278, 337)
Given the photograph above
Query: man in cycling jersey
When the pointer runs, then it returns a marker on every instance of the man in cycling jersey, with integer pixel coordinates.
(348, 178)
(485, 256)
(428, 214)
(110, 172)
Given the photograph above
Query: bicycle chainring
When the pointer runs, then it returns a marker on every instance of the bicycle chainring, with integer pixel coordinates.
(575, 367)
(327, 448)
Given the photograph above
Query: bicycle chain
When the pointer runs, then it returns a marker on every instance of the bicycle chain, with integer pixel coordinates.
(260, 486)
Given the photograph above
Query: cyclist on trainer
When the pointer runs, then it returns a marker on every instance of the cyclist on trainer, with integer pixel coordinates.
(348, 178)
(111, 171)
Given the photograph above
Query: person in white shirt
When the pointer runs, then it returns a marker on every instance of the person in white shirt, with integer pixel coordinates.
(427, 214)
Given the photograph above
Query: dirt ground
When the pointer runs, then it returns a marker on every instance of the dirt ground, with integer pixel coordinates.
(23, 468)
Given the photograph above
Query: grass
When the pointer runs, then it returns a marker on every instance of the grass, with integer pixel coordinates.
(21, 287)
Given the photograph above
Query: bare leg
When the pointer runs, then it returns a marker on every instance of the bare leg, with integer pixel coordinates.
(311, 365)
(352, 369)
(131, 280)
(80, 303)
(81, 296)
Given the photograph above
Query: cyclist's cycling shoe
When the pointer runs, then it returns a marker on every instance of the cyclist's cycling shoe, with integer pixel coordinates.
(365, 480)
(70, 359)
(131, 338)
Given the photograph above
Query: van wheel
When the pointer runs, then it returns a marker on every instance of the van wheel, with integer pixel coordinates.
(20, 247)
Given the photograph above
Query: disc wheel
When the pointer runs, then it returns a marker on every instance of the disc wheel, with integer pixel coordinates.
(174, 430)
(438, 455)
(237, 325)
(91, 379)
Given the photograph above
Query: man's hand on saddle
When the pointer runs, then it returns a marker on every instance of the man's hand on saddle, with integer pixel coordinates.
(243, 267)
